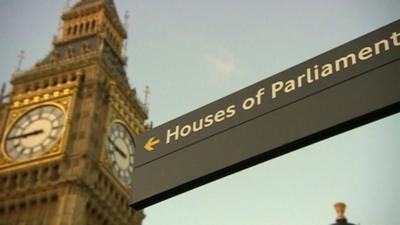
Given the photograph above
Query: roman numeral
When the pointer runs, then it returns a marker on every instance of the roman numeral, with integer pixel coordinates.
(57, 127)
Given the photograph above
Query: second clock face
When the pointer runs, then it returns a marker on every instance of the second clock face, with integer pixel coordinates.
(35, 132)
(120, 149)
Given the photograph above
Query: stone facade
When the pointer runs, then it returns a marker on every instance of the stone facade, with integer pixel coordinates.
(73, 181)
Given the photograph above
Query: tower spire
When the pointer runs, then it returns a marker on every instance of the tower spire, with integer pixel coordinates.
(67, 5)
(126, 19)
(126, 26)
(21, 57)
(146, 95)
(3, 93)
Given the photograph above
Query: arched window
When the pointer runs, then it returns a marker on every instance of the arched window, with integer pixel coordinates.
(46, 84)
(64, 79)
(27, 88)
(69, 30)
(55, 81)
(73, 77)
(87, 27)
(81, 28)
(83, 78)
(75, 29)
(36, 86)
(93, 25)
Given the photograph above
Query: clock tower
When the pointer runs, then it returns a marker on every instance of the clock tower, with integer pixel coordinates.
(68, 129)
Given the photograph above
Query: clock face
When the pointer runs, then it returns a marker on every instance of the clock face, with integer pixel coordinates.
(35, 132)
(120, 148)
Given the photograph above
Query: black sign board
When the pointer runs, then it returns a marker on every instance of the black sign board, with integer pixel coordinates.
(341, 89)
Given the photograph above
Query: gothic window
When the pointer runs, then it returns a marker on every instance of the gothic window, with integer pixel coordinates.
(13, 181)
(93, 24)
(64, 79)
(83, 78)
(44, 173)
(87, 27)
(55, 173)
(69, 31)
(75, 30)
(73, 77)
(36, 86)
(27, 88)
(55, 81)
(45, 83)
(81, 28)
(3, 182)
(34, 177)
(23, 179)
(11, 208)
(54, 198)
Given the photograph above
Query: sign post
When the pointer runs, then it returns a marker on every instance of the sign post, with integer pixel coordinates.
(346, 87)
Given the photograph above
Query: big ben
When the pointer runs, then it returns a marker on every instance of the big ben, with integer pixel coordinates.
(68, 130)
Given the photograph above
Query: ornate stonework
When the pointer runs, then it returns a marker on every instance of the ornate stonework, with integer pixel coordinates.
(72, 183)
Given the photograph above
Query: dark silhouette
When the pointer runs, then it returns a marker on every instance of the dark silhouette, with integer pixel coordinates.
(340, 208)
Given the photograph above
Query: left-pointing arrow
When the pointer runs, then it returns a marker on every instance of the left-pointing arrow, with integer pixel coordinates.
(149, 146)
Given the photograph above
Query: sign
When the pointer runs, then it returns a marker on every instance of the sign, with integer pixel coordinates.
(341, 89)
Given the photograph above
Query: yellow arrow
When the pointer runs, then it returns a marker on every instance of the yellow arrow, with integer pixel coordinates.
(149, 146)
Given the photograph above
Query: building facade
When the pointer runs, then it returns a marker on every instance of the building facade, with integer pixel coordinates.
(67, 130)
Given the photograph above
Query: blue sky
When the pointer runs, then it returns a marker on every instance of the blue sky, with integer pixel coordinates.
(191, 53)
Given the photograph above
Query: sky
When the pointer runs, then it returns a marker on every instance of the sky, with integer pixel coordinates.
(191, 53)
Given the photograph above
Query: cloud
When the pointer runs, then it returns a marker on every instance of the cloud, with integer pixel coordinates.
(221, 66)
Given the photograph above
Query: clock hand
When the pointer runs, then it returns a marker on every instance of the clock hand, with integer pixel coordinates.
(120, 152)
(36, 132)
(117, 148)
